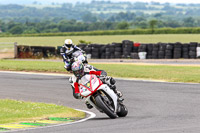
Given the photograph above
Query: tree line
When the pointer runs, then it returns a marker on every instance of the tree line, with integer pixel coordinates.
(48, 26)
(97, 15)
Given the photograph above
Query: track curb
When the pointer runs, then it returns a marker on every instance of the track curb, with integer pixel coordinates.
(22, 127)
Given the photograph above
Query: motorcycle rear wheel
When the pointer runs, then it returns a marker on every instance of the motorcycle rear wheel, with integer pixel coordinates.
(106, 109)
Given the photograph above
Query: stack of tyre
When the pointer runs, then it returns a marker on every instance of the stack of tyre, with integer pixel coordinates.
(102, 51)
(161, 50)
(177, 50)
(149, 51)
(110, 49)
(134, 53)
(185, 51)
(169, 51)
(95, 51)
(142, 51)
(192, 50)
(88, 51)
(127, 47)
(117, 50)
(155, 51)
(82, 46)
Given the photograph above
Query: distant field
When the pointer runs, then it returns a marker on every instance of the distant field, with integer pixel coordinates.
(57, 41)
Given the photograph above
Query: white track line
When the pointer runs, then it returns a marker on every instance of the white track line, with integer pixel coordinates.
(92, 115)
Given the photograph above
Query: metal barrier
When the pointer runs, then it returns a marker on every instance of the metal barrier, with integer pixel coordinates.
(7, 49)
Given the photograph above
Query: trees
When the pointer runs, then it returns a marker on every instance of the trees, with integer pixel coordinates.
(189, 22)
(2, 26)
(16, 29)
(89, 18)
(152, 24)
(122, 25)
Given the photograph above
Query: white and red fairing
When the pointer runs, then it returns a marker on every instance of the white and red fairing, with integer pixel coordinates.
(90, 84)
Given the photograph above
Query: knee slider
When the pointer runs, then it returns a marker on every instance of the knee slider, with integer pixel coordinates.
(112, 81)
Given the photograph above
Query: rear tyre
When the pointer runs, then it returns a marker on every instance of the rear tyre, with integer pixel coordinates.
(108, 109)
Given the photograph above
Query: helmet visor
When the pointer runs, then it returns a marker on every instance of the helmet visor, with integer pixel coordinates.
(68, 45)
(79, 73)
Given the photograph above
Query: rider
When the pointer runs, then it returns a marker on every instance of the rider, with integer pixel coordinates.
(79, 71)
(66, 52)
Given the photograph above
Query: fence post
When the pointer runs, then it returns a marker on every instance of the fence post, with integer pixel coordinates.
(15, 50)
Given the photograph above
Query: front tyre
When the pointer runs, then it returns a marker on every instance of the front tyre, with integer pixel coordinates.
(123, 111)
(105, 107)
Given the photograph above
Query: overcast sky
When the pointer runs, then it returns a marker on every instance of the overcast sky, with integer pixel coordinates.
(164, 1)
(74, 1)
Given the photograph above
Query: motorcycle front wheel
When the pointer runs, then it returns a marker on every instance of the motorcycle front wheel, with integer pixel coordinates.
(123, 111)
(106, 106)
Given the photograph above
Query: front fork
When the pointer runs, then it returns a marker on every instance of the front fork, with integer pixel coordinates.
(107, 90)
(92, 101)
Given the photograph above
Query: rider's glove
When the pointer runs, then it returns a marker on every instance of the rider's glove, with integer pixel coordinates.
(70, 80)
(102, 78)
(78, 96)
(67, 66)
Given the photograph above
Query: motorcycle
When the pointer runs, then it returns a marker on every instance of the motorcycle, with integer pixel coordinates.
(101, 96)
(79, 56)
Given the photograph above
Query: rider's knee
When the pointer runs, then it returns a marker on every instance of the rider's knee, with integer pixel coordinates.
(110, 80)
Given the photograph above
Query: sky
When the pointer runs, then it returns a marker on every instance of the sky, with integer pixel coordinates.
(164, 1)
(74, 1)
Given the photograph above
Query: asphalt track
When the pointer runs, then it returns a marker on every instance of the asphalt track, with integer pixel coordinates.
(154, 107)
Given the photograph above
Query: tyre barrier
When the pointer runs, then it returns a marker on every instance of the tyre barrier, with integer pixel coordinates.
(36, 52)
(126, 49)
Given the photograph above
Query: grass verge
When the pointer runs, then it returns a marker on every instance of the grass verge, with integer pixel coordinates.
(104, 39)
(18, 111)
(189, 74)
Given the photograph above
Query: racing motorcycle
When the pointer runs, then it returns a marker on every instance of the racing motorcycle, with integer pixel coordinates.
(79, 56)
(101, 96)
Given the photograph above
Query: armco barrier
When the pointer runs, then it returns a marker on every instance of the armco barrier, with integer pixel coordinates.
(125, 49)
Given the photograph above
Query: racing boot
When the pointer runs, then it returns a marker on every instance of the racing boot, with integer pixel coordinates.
(89, 106)
(110, 81)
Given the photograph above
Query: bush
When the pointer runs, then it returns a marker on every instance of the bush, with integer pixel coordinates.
(110, 32)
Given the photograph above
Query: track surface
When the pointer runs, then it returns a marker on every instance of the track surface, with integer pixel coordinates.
(153, 107)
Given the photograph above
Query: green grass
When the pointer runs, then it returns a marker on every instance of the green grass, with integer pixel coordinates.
(58, 41)
(39, 66)
(157, 72)
(18, 111)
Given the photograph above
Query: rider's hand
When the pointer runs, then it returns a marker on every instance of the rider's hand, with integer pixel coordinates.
(78, 96)
(102, 78)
